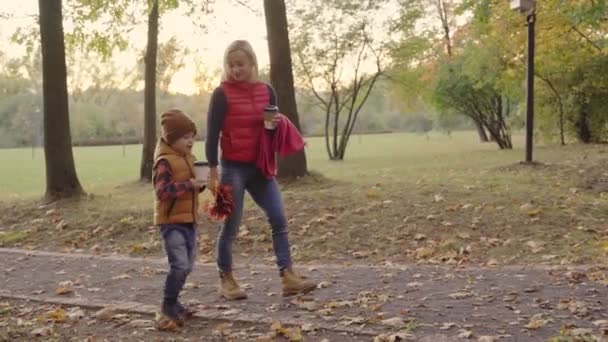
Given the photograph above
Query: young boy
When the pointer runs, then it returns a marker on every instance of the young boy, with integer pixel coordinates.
(176, 205)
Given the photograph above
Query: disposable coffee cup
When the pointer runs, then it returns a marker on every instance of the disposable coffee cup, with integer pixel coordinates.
(201, 170)
(270, 112)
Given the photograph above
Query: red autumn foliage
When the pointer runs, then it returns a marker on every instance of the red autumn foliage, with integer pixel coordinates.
(221, 205)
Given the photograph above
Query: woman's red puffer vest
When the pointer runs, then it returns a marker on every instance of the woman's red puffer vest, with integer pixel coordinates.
(244, 121)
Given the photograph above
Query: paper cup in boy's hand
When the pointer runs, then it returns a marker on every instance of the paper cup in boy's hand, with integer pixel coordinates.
(201, 170)
(270, 112)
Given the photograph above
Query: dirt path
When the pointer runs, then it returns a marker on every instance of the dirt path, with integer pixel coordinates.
(356, 302)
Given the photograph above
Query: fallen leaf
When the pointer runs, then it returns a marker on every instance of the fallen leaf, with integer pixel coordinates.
(465, 333)
(396, 322)
(309, 306)
(222, 329)
(192, 285)
(141, 323)
(121, 277)
(398, 337)
(61, 225)
(137, 248)
(106, 314)
(63, 290)
(231, 312)
(535, 246)
(602, 323)
(76, 313)
(536, 323)
(460, 295)
(463, 235)
(419, 237)
(339, 304)
(353, 320)
(306, 327)
(447, 326)
(323, 285)
(361, 255)
(487, 338)
(44, 331)
(58, 315)
(580, 332)
(265, 338)
(492, 263)
(294, 334)
(424, 252)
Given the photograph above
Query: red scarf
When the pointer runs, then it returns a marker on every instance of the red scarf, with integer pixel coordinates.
(284, 140)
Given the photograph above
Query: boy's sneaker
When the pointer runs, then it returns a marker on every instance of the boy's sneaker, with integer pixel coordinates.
(184, 312)
(171, 311)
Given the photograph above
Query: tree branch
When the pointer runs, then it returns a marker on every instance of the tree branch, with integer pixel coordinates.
(575, 29)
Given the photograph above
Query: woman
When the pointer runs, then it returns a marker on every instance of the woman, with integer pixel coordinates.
(236, 121)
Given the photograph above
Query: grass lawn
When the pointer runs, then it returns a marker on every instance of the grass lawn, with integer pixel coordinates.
(396, 197)
(368, 157)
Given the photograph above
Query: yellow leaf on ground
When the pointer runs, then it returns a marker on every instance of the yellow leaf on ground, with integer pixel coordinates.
(536, 323)
(424, 252)
(58, 315)
(63, 290)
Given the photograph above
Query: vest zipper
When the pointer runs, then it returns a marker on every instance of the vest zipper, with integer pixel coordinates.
(193, 191)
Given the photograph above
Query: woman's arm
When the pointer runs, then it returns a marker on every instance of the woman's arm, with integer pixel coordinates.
(215, 121)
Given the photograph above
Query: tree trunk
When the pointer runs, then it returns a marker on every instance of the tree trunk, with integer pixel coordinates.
(562, 135)
(445, 24)
(281, 77)
(483, 136)
(582, 124)
(147, 158)
(61, 178)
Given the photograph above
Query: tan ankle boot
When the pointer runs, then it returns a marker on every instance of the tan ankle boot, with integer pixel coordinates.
(294, 283)
(229, 288)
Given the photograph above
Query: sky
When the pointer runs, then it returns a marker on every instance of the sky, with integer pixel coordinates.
(229, 22)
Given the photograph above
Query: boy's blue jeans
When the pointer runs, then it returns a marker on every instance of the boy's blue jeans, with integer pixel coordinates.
(179, 241)
(265, 192)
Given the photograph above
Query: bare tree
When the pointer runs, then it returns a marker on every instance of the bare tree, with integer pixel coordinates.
(341, 66)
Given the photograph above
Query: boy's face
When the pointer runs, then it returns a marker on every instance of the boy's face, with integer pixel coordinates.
(240, 65)
(184, 144)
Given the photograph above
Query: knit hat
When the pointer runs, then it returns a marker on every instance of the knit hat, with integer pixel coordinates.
(175, 124)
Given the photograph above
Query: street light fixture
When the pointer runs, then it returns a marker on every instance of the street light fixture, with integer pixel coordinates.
(528, 7)
(522, 5)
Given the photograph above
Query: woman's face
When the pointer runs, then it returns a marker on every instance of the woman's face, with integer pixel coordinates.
(240, 66)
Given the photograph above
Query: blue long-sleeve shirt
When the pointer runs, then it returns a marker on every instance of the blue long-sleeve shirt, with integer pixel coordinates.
(218, 106)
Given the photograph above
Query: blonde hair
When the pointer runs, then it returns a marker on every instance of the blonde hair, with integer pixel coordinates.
(245, 47)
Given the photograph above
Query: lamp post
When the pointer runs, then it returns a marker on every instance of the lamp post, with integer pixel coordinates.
(528, 7)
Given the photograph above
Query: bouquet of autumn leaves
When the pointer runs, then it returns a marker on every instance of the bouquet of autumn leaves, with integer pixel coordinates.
(220, 205)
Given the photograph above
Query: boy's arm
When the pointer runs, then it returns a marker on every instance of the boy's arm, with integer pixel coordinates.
(165, 187)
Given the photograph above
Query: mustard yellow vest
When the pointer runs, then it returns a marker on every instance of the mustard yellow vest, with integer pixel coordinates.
(185, 208)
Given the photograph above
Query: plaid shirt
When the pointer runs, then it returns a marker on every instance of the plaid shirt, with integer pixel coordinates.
(165, 187)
